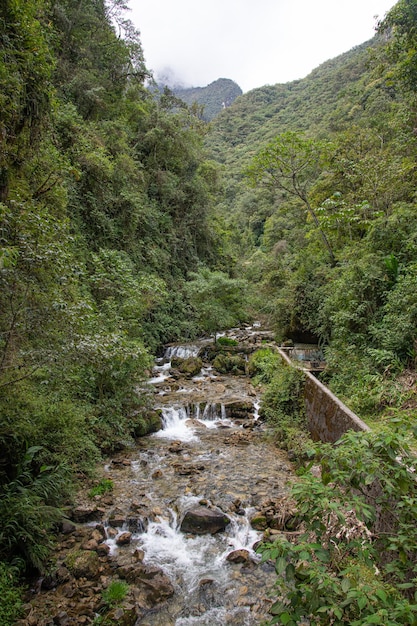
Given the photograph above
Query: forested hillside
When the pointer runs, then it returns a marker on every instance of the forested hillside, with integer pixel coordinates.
(319, 191)
(213, 98)
(106, 199)
(127, 222)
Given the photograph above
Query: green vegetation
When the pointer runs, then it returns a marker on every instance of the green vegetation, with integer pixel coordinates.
(126, 222)
(354, 561)
(226, 341)
(11, 602)
(217, 299)
(106, 205)
(282, 403)
(115, 593)
(104, 486)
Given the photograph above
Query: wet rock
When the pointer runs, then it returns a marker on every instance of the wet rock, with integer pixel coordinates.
(176, 447)
(202, 521)
(120, 463)
(122, 616)
(136, 524)
(82, 514)
(152, 585)
(239, 409)
(124, 539)
(238, 556)
(194, 423)
(138, 555)
(67, 527)
(91, 544)
(188, 469)
(117, 518)
(103, 549)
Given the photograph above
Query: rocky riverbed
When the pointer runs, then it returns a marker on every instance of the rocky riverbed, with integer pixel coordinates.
(187, 507)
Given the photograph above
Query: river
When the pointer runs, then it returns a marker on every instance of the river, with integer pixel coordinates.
(212, 453)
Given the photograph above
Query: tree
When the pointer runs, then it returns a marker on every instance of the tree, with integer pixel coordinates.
(217, 299)
(291, 164)
(401, 23)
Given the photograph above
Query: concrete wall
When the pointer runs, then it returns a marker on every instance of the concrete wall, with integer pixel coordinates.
(328, 418)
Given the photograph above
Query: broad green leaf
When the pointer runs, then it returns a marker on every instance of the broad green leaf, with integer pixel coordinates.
(280, 565)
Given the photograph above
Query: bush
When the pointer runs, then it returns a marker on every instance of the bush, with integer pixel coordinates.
(29, 510)
(11, 595)
(283, 407)
(227, 341)
(355, 560)
(115, 593)
(104, 486)
(263, 364)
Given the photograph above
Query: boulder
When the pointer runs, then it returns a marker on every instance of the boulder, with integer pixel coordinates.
(229, 364)
(124, 538)
(238, 556)
(203, 521)
(191, 367)
(152, 586)
(82, 514)
(239, 409)
(83, 564)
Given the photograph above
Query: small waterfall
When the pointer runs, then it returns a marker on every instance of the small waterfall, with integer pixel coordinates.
(162, 373)
(174, 425)
(198, 565)
(182, 352)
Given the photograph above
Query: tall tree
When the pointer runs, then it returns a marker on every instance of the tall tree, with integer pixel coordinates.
(291, 164)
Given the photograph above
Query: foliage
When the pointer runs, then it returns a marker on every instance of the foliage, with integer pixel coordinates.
(104, 486)
(115, 593)
(105, 205)
(217, 299)
(28, 510)
(282, 403)
(226, 341)
(11, 595)
(354, 561)
(292, 164)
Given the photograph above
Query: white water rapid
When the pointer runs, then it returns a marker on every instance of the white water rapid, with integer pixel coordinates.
(203, 457)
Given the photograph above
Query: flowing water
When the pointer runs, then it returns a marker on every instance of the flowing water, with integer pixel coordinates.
(201, 456)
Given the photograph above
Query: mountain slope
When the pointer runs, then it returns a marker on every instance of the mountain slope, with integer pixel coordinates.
(217, 96)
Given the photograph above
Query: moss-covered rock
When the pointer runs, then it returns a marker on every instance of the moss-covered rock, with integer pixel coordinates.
(83, 564)
(229, 364)
(259, 522)
(191, 367)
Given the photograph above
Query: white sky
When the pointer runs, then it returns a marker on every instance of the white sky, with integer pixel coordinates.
(253, 42)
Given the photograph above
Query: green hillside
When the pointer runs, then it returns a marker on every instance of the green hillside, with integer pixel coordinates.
(213, 98)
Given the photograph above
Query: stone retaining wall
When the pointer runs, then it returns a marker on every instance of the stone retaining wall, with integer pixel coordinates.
(328, 418)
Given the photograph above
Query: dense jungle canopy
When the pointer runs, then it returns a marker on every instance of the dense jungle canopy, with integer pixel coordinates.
(118, 210)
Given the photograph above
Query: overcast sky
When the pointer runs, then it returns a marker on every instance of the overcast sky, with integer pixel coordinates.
(253, 42)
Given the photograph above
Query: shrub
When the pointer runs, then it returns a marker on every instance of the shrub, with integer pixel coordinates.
(355, 560)
(104, 486)
(29, 510)
(227, 341)
(11, 595)
(115, 593)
